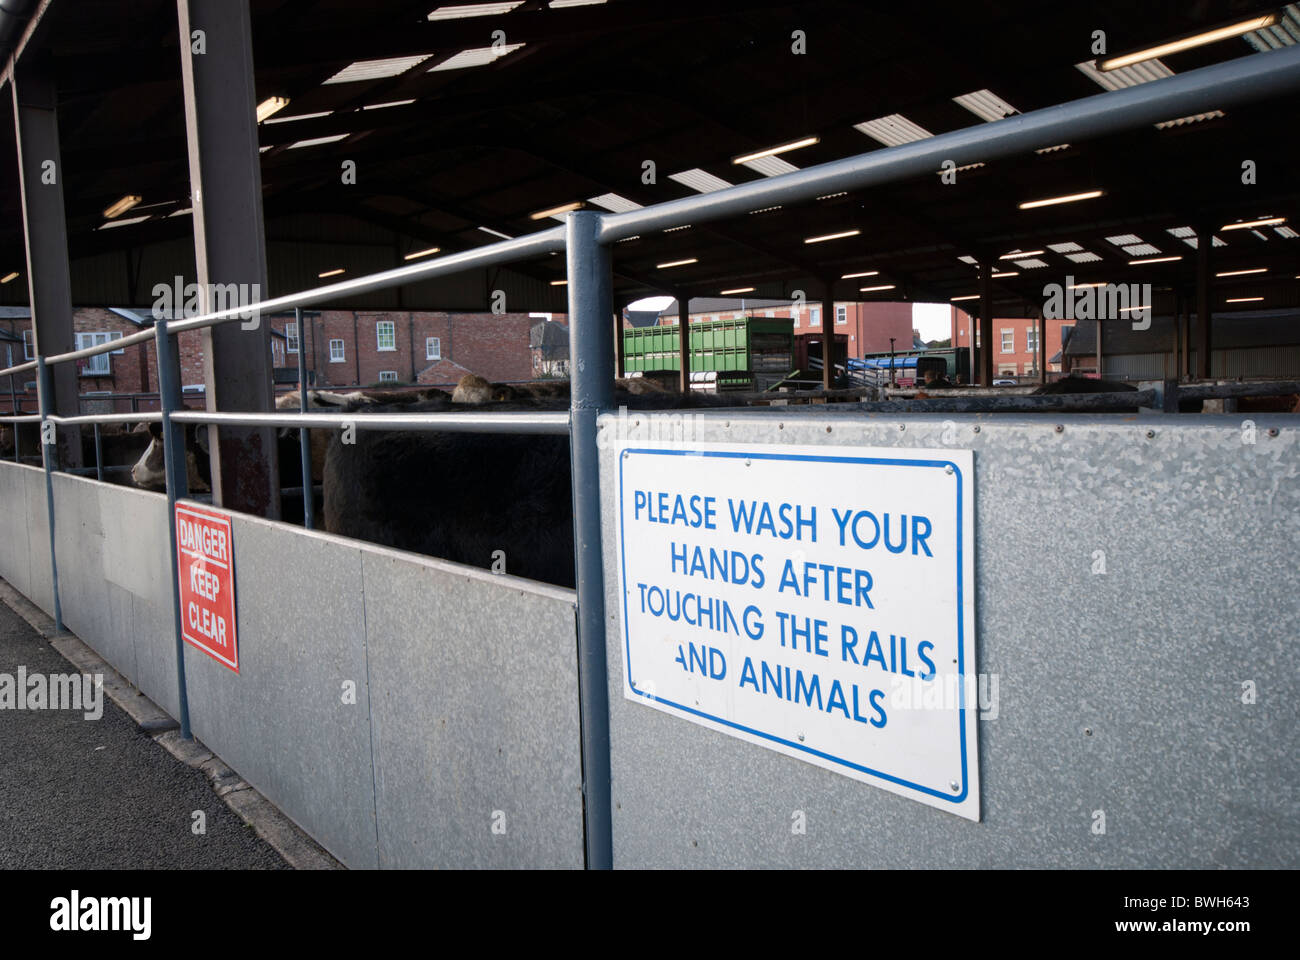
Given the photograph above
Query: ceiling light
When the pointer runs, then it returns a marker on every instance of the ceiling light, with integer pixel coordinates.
(773, 151)
(676, 263)
(301, 116)
(269, 106)
(833, 236)
(1241, 273)
(1080, 286)
(883, 286)
(496, 233)
(1007, 273)
(421, 253)
(1243, 299)
(1136, 263)
(727, 293)
(1020, 254)
(122, 206)
(556, 211)
(559, 283)
(1266, 222)
(462, 10)
(9, 276)
(1186, 43)
(1070, 198)
(864, 273)
(330, 273)
(390, 103)
(969, 296)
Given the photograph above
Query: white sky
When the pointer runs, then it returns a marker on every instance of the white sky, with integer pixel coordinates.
(933, 320)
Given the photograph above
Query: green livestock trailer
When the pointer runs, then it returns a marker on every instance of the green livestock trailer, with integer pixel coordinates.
(750, 353)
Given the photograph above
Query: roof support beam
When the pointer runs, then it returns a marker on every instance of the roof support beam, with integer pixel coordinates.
(1204, 290)
(45, 232)
(229, 242)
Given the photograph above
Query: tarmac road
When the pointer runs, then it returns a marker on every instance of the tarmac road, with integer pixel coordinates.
(100, 794)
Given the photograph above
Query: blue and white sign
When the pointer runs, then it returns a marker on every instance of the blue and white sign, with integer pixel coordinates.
(817, 601)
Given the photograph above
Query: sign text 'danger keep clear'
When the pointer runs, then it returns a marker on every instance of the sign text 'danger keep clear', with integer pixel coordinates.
(205, 558)
(817, 601)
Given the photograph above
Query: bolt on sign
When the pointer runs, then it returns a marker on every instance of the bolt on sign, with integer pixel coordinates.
(205, 556)
(817, 601)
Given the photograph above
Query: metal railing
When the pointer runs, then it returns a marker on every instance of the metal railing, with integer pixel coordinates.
(586, 239)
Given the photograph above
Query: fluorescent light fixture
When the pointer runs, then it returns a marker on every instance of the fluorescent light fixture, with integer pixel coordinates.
(1138, 263)
(330, 273)
(1051, 201)
(421, 253)
(1187, 43)
(864, 273)
(377, 69)
(461, 10)
(122, 206)
(676, 263)
(1266, 222)
(1080, 286)
(832, 236)
(386, 105)
(1243, 299)
(773, 151)
(270, 106)
(317, 141)
(883, 286)
(559, 283)
(1005, 273)
(1020, 254)
(477, 57)
(561, 4)
(727, 293)
(9, 276)
(301, 116)
(969, 296)
(496, 233)
(556, 211)
(123, 223)
(1241, 273)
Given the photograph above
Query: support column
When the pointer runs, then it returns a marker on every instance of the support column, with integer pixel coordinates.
(45, 232)
(986, 325)
(683, 340)
(591, 369)
(828, 333)
(1204, 291)
(620, 346)
(229, 242)
(1042, 348)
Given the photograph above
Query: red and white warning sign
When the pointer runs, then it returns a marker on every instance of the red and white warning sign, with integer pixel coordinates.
(205, 555)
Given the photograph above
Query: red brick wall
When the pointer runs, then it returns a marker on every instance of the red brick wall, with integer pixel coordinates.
(869, 324)
(1020, 361)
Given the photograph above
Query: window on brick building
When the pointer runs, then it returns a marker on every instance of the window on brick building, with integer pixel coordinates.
(1031, 339)
(387, 376)
(433, 348)
(336, 351)
(814, 316)
(28, 353)
(386, 336)
(1008, 341)
(291, 337)
(97, 365)
(841, 316)
(277, 352)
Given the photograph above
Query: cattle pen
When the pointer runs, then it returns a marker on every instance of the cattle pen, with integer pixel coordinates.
(476, 693)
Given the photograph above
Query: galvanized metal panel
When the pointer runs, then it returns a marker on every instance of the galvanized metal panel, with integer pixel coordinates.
(286, 722)
(1119, 692)
(15, 562)
(475, 715)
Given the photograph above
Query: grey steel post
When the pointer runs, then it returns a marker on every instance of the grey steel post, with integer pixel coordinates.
(99, 456)
(683, 341)
(169, 397)
(49, 459)
(986, 324)
(1204, 292)
(13, 396)
(591, 363)
(304, 435)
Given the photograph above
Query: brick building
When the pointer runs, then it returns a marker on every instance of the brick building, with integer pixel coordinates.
(1015, 344)
(868, 324)
(367, 348)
